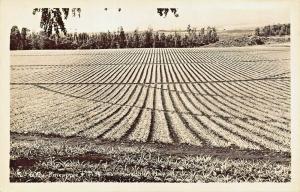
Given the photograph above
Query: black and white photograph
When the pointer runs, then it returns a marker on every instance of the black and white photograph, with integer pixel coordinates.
(162, 91)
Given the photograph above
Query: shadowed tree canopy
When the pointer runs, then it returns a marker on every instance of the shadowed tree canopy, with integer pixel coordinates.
(52, 18)
(164, 12)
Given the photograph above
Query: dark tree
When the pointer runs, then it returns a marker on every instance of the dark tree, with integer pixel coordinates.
(148, 40)
(214, 36)
(188, 29)
(24, 38)
(52, 19)
(163, 11)
(45, 42)
(15, 38)
(176, 40)
(267, 30)
(163, 41)
(160, 11)
(34, 42)
(273, 30)
(174, 10)
(136, 39)
(122, 38)
(156, 40)
(257, 31)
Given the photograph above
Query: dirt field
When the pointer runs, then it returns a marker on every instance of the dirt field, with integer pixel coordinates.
(179, 103)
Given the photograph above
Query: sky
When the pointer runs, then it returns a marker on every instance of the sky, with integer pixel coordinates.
(229, 14)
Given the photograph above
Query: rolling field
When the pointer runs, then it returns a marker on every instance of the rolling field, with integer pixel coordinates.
(216, 98)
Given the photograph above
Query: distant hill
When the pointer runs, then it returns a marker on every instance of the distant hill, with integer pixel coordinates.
(234, 33)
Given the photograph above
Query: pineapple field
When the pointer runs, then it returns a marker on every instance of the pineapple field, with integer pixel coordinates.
(235, 100)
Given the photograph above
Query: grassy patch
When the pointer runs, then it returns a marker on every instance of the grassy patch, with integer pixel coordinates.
(59, 160)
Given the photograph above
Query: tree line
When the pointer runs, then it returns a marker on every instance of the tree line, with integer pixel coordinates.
(191, 37)
(273, 30)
